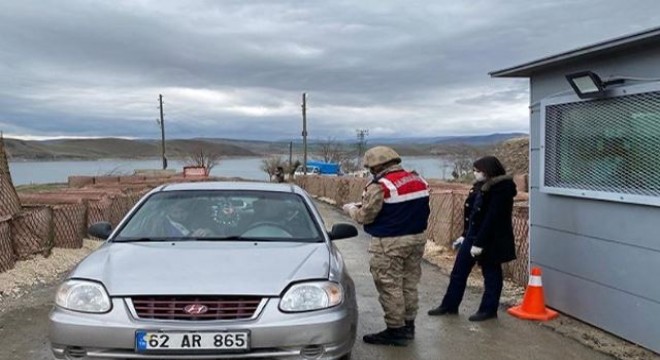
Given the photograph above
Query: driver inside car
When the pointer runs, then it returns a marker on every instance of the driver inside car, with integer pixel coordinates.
(176, 222)
(268, 219)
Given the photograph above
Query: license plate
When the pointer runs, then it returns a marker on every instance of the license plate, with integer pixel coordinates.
(188, 340)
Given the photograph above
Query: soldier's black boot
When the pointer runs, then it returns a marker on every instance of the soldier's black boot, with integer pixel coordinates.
(441, 310)
(389, 336)
(409, 329)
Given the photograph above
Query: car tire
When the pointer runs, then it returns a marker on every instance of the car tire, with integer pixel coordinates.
(346, 357)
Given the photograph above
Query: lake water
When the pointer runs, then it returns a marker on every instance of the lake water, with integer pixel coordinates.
(43, 172)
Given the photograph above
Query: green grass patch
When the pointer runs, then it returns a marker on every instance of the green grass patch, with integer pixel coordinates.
(40, 187)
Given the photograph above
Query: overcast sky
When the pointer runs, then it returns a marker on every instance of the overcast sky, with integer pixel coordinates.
(237, 68)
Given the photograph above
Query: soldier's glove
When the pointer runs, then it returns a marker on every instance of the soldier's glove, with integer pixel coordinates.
(349, 208)
(456, 244)
(476, 251)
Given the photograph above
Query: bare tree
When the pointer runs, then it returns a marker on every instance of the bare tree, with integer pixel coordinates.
(349, 166)
(271, 164)
(462, 171)
(291, 168)
(331, 151)
(203, 157)
(461, 156)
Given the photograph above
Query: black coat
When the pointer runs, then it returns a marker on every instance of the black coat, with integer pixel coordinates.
(488, 219)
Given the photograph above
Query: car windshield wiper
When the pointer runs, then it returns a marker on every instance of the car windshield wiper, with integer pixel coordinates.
(223, 238)
(238, 238)
(153, 239)
(256, 239)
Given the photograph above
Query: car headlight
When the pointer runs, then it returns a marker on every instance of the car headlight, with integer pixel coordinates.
(83, 296)
(312, 296)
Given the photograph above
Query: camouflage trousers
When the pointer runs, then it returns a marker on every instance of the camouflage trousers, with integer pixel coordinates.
(395, 265)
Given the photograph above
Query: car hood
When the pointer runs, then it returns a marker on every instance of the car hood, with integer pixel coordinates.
(203, 268)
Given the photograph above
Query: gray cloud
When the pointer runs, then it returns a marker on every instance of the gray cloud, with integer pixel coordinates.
(237, 69)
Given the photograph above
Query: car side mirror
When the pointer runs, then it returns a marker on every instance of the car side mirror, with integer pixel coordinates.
(342, 231)
(100, 230)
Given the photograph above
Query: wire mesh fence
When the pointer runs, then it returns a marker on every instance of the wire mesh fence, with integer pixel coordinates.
(445, 221)
(31, 232)
(7, 257)
(340, 190)
(98, 211)
(118, 207)
(9, 203)
(69, 225)
(61, 218)
(518, 270)
(69, 213)
(111, 209)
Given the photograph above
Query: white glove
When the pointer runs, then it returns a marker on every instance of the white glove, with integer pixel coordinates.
(456, 244)
(476, 251)
(349, 207)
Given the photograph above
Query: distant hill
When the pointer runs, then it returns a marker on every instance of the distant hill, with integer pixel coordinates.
(475, 140)
(480, 140)
(26, 149)
(90, 149)
(179, 148)
(100, 148)
(259, 147)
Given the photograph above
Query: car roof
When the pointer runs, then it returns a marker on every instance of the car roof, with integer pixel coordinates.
(232, 185)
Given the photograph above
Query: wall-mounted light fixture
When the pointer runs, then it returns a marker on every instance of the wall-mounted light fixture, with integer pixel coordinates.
(587, 84)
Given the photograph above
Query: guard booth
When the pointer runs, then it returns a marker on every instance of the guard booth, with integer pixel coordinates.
(595, 182)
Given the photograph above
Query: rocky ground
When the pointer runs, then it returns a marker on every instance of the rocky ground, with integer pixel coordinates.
(514, 154)
(18, 282)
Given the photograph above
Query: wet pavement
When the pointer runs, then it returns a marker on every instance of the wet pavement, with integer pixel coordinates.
(24, 325)
(447, 337)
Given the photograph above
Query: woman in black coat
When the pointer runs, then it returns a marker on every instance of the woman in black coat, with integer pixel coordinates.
(487, 239)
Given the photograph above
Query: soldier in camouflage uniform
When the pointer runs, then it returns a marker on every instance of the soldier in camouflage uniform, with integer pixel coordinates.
(394, 211)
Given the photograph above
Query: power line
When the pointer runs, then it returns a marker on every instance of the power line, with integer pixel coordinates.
(362, 142)
(161, 122)
(304, 132)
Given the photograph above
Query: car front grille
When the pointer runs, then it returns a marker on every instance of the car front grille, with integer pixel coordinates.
(196, 308)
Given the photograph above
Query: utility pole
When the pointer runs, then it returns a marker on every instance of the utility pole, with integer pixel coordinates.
(361, 134)
(304, 132)
(290, 154)
(161, 122)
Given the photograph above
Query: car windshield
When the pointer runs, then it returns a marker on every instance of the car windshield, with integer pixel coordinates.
(221, 215)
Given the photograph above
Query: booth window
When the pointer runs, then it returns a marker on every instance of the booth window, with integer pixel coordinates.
(608, 147)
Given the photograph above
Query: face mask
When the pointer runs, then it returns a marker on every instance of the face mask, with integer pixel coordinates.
(479, 176)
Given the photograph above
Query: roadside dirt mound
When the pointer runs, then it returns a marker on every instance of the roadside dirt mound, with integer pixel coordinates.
(514, 154)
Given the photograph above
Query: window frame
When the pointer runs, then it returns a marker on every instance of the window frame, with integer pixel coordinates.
(584, 193)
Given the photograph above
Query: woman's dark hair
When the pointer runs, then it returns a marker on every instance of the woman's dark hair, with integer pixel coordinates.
(490, 166)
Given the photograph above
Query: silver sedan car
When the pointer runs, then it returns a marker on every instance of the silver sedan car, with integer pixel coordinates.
(211, 271)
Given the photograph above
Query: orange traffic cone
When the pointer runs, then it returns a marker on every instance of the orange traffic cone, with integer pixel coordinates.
(533, 305)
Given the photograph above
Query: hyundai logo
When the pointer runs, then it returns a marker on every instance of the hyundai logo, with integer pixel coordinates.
(196, 309)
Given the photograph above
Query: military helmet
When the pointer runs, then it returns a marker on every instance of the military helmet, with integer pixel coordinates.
(379, 155)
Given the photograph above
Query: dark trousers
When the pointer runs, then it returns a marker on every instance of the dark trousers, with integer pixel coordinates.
(493, 281)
